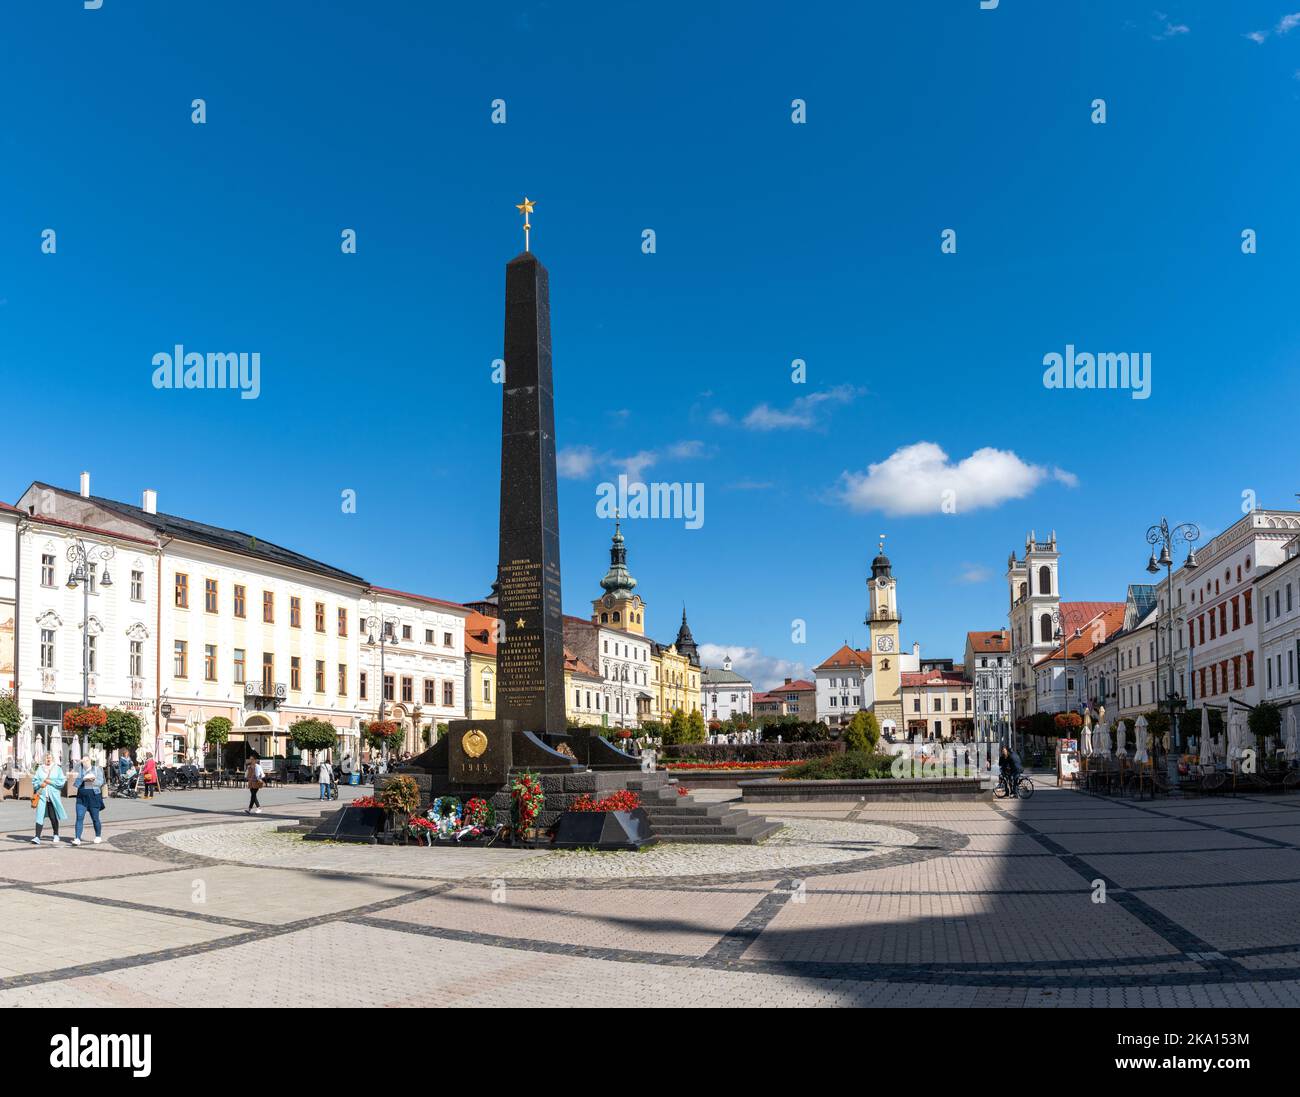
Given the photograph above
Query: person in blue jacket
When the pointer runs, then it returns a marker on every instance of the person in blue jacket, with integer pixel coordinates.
(47, 785)
(89, 782)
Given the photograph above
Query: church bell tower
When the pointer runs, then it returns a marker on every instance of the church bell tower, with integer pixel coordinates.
(882, 623)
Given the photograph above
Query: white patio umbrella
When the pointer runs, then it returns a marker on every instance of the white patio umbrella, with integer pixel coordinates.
(1292, 748)
(76, 750)
(25, 750)
(1207, 744)
(1103, 740)
(1140, 730)
(56, 744)
(4, 745)
(1234, 737)
(1120, 733)
(1086, 736)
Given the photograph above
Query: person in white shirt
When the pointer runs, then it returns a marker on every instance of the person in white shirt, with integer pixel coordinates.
(325, 775)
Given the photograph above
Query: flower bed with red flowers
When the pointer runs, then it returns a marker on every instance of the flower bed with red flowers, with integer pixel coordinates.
(365, 802)
(729, 765)
(79, 719)
(623, 800)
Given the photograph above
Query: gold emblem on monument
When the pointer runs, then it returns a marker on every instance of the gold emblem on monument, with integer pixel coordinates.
(473, 743)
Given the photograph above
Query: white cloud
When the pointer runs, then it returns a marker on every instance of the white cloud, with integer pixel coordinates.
(719, 418)
(765, 671)
(682, 450)
(804, 413)
(575, 462)
(1067, 478)
(1169, 29)
(974, 573)
(580, 462)
(921, 479)
(1285, 25)
(637, 463)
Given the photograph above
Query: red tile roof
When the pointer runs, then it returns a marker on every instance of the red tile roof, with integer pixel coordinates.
(479, 630)
(848, 657)
(1092, 630)
(574, 665)
(417, 597)
(917, 678)
(997, 640)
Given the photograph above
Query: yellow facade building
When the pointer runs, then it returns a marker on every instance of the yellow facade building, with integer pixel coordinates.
(480, 667)
(676, 682)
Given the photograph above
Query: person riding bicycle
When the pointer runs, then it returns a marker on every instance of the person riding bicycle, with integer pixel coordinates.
(1009, 764)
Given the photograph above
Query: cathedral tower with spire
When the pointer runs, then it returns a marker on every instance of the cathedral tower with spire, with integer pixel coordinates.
(619, 607)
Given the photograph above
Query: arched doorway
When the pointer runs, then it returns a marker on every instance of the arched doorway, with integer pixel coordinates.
(258, 735)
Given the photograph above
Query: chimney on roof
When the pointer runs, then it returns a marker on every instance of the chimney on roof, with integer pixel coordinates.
(916, 649)
(149, 501)
(788, 681)
(85, 485)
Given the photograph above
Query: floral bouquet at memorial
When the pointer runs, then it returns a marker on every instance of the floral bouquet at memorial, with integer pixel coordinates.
(526, 801)
(480, 813)
(421, 829)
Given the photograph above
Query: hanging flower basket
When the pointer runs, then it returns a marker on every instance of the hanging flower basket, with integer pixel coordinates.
(83, 719)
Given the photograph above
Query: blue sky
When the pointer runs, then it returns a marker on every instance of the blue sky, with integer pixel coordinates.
(775, 241)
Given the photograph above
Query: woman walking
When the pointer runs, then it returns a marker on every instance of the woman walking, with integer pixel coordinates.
(149, 775)
(47, 799)
(253, 773)
(89, 783)
(325, 775)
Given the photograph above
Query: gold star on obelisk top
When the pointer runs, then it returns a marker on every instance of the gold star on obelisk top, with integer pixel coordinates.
(519, 623)
(525, 207)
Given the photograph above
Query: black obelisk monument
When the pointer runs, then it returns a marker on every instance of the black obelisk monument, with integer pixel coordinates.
(530, 657)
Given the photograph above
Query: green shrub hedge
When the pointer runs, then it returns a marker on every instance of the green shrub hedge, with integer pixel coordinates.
(750, 752)
(853, 765)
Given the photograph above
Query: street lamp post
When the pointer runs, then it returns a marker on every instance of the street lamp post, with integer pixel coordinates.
(83, 558)
(1166, 537)
(387, 627)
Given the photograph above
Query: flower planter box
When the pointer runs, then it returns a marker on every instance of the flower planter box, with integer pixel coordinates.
(603, 830)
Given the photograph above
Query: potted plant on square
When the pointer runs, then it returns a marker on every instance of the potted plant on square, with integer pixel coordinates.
(401, 797)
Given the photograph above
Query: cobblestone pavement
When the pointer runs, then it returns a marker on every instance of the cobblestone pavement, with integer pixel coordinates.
(190, 902)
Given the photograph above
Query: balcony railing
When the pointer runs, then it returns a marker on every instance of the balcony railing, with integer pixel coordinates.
(264, 694)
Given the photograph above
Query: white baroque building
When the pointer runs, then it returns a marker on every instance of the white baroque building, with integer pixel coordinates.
(1217, 654)
(116, 611)
(1279, 630)
(724, 693)
(423, 675)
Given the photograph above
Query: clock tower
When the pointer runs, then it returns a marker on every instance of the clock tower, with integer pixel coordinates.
(618, 607)
(882, 622)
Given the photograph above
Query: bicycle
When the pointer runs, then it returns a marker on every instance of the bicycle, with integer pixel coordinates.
(1024, 788)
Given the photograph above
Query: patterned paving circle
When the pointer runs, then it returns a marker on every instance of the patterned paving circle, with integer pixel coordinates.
(804, 847)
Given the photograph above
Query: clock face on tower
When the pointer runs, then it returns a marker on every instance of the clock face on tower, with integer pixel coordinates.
(882, 582)
(885, 643)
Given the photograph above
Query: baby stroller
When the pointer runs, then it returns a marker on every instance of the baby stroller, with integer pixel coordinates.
(128, 786)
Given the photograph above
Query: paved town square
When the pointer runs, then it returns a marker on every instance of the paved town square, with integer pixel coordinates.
(189, 902)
